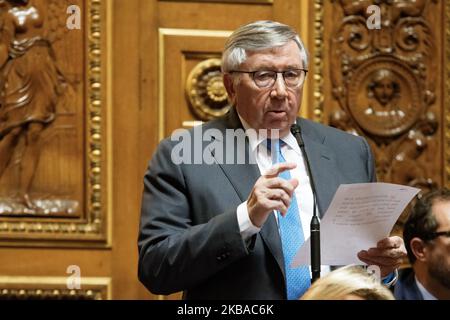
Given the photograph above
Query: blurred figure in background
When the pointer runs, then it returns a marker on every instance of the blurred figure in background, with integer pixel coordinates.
(348, 283)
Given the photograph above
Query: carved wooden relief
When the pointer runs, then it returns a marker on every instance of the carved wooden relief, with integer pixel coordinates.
(51, 121)
(205, 90)
(385, 84)
(384, 81)
(34, 90)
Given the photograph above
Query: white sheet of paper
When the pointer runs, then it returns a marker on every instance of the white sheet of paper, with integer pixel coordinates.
(359, 216)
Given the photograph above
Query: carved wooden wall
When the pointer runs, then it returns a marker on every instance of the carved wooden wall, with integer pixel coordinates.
(387, 84)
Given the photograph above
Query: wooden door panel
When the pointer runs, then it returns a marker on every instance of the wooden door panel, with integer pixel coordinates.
(180, 51)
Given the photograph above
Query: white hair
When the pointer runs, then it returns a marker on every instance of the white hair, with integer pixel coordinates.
(258, 35)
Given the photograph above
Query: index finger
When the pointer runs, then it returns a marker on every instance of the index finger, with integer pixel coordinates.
(278, 168)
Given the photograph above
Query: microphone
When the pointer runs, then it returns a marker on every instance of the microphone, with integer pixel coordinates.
(315, 223)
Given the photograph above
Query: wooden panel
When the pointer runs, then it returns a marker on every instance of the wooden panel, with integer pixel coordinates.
(213, 16)
(134, 133)
(74, 161)
(180, 51)
(53, 149)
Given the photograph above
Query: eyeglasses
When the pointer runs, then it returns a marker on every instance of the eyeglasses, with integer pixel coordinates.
(266, 78)
(434, 235)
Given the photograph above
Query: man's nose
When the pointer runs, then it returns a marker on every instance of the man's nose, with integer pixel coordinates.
(279, 89)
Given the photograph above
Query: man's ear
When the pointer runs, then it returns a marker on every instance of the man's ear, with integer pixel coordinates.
(418, 248)
(229, 86)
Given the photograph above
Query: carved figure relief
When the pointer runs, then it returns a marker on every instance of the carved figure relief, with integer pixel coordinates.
(384, 81)
(385, 98)
(32, 88)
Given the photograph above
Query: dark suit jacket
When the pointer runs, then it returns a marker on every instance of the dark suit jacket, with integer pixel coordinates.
(189, 235)
(406, 287)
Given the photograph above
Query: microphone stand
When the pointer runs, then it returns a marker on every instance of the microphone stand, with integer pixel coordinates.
(315, 223)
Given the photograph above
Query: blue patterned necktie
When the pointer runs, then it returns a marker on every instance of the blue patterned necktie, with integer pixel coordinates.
(291, 232)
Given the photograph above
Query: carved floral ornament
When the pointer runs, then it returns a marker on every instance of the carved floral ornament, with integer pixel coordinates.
(205, 91)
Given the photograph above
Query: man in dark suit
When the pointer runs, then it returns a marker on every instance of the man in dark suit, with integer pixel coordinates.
(427, 239)
(216, 228)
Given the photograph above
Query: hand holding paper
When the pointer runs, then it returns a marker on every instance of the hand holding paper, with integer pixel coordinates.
(358, 217)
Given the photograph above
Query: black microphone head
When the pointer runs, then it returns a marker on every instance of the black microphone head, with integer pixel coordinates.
(295, 129)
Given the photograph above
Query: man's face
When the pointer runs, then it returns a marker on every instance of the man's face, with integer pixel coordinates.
(438, 259)
(274, 107)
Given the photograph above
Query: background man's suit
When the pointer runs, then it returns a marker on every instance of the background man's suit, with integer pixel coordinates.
(406, 287)
(189, 236)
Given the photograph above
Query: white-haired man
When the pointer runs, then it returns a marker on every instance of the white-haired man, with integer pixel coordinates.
(229, 231)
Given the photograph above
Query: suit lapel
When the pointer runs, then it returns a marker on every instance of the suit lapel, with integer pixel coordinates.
(323, 167)
(269, 233)
(243, 177)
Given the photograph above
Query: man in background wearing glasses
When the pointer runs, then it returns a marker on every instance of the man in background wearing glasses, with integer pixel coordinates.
(427, 239)
(222, 231)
